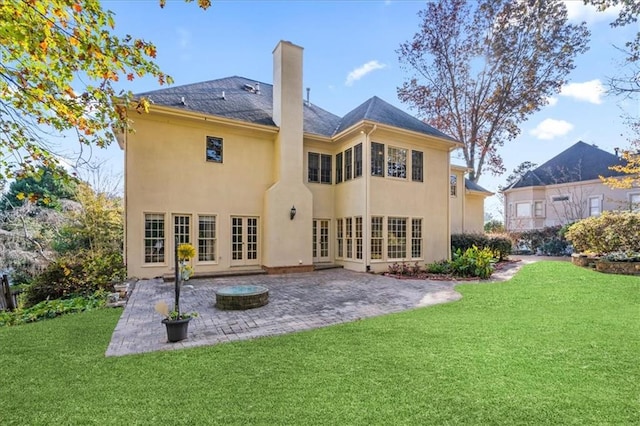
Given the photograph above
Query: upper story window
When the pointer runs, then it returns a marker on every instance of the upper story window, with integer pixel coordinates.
(377, 159)
(357, 160)
(397, 162)
(453, 185)
(416, 166)
(595, 206)
(214, 149)
(339, 167)
(348, 164)
(325, 168)
(319, 168)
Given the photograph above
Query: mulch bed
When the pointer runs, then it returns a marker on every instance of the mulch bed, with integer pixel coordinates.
(499, 266)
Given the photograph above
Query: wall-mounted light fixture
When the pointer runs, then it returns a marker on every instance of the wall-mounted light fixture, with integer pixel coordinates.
(292, 213)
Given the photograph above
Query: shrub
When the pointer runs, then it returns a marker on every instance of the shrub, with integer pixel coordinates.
(493, 225)
(439, 267)
(466, 241)
(53, 308)
(81, 274)
(550, 241)
(473, 262)
(500, 246)
(609, 232)
(622, 256)
(404, 269)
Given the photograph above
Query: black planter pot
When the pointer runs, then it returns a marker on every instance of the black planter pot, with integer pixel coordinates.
(176, 329)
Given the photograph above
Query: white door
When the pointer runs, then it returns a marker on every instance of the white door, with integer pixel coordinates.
(244, 240)
(320, 240)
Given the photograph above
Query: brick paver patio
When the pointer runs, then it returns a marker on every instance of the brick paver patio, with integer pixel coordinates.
(296, 302)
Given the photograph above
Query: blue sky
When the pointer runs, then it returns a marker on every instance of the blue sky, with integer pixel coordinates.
(350, 56)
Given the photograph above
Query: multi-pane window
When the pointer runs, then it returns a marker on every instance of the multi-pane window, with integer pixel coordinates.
(396, 238)
(349, 237)
(416, 238)
(313, 174)
(397, 162)
(538, 209)
(236, 238)
(325, 168)
(154, 238)
(348, 164)
(358, 237)
(206, 238)
(252, 238)
(182, 228)
(416, 166)
(453, 185)
(319, 168)
(339, 167)
(377, 159)
(340, 238)
(376, 237)
(357, 160)
(214, 149)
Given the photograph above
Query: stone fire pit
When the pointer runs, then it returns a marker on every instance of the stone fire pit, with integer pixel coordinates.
(240, 297)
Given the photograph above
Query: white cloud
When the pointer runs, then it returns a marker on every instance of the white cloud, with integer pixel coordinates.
(184, 37)
(360, 72)
(577, 11)
(550, 128)
(589, 91)
(551, 101)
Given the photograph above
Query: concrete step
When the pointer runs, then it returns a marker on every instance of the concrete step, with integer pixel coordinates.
(323, 266)
(219, 274)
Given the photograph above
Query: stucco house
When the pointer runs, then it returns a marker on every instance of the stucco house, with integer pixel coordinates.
(467, 202)
(566, 188)
(257, 177)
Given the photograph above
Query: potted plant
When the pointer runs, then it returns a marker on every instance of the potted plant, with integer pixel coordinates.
(176, 321)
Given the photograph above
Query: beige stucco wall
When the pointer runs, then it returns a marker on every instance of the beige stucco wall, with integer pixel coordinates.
(474, 213)
(167, 172)
(561, 212)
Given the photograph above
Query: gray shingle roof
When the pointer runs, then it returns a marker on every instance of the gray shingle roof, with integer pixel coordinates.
(375, 109)
(246, 105)
(472, 186)
(577, 163)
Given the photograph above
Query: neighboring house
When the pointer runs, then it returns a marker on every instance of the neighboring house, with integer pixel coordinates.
(565, 189)
(467, 202)
(255, 177)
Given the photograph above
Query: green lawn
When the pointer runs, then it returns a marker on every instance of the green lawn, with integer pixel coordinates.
(555, 345)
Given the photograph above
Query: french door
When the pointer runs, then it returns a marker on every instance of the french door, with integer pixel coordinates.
(244, 240)
(320, 240)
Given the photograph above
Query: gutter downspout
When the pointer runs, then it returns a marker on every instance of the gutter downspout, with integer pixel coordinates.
(366, 166)
(125, 142)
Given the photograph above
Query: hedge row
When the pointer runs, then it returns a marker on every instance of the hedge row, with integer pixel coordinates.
(609, 232)
(500, 245)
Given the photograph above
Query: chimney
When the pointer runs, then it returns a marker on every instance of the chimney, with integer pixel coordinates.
(287, 107)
